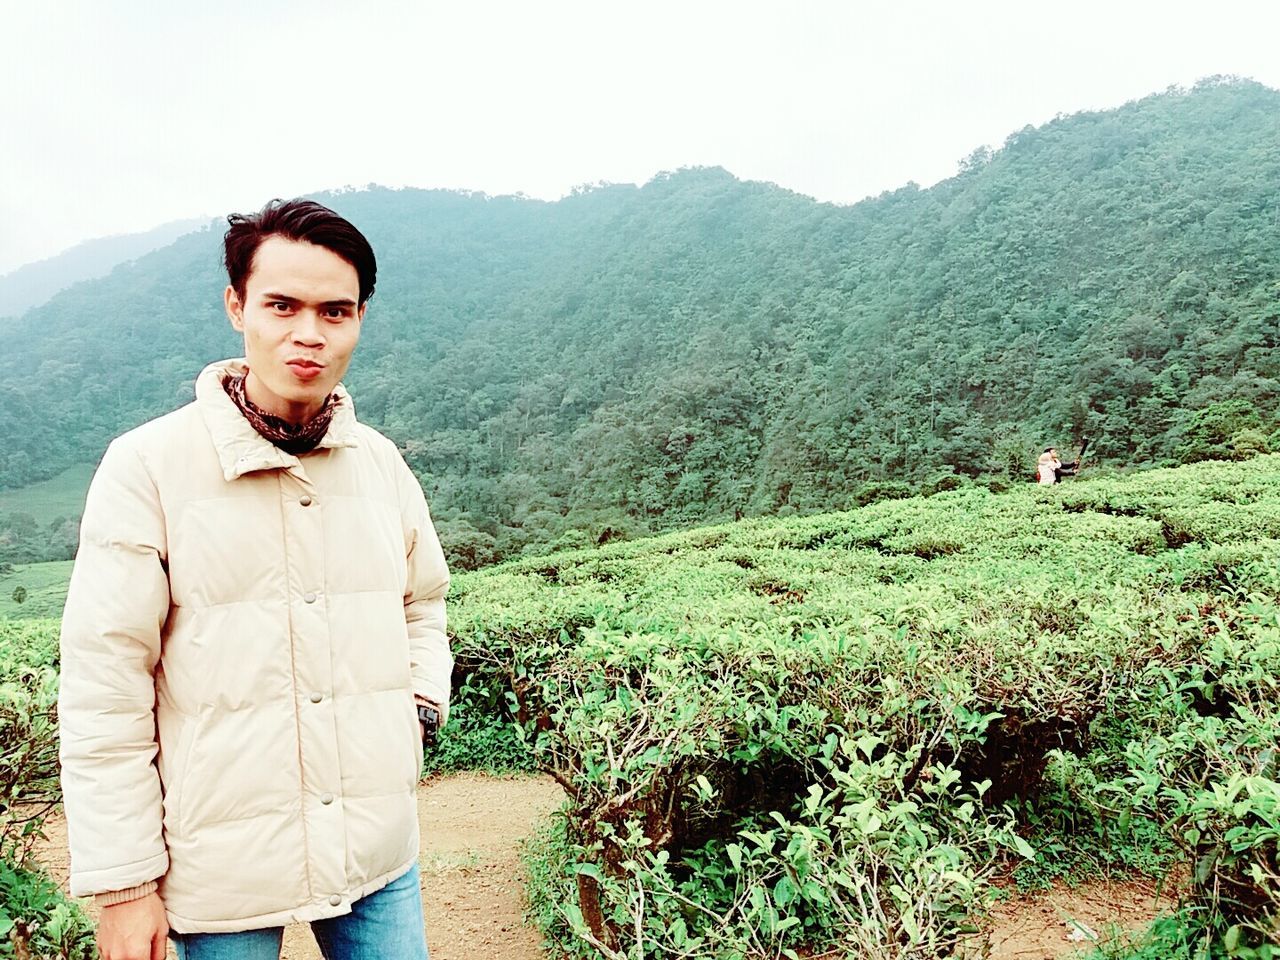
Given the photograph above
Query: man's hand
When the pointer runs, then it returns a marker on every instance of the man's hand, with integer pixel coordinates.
(422, 727)
(134, 930)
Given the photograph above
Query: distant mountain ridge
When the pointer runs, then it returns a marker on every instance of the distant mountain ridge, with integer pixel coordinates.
(35, 283)
(635, 359)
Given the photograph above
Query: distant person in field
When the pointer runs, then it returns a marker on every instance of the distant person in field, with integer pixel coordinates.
(1051, 469)
(254, 648)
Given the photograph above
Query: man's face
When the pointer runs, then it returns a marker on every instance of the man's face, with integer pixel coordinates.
(300, 323)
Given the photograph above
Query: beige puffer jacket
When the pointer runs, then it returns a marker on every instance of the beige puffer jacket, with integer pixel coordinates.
(243, 637)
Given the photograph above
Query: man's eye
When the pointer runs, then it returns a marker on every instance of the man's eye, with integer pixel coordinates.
(279, 306)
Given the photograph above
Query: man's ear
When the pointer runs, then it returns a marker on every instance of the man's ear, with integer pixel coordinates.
(360, 313)
(235, 309)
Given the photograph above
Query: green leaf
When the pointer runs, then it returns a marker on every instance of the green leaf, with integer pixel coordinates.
(813, 799)
(1023, 848)
(735, 855)
(705, 790)
(589, 870)
(784, 892)
(1231, 939)
(679, 932)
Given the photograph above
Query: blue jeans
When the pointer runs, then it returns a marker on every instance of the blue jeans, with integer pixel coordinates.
(385, 925)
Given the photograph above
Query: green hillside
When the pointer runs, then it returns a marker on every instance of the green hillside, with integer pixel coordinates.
(40, 522)
(630, 360)
(34, 283)
(44, 590)
(59, 496)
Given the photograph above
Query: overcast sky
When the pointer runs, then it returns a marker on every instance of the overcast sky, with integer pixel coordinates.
(117, 116)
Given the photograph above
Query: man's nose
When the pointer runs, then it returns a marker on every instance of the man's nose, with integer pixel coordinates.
(307, 330)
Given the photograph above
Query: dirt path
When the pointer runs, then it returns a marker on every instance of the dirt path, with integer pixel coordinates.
(471, 876)
(471, 882)
(1062, 922)
(471, 887)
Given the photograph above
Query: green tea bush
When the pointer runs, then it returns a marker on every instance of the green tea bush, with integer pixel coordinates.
(1208, 768)
(782, 736)
(549, 886)
(1076, 831)
(875, 491)
(36, 920)
(825, 732)
(665, 781)
(28, 730)
(481, 735)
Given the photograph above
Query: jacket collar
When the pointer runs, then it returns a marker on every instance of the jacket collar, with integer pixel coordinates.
(240, 448)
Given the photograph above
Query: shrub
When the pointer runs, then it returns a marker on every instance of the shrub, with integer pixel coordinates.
(876, 491)
(942, 482)
(1210, 770)
(739, 814)
(36, 920)
(1248, 443)
(780, 736)
(480, 735)
(793, 795)
(28, 732)
(777, 736)
(549, 885)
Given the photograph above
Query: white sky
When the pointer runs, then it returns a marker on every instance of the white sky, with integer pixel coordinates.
(117, 115)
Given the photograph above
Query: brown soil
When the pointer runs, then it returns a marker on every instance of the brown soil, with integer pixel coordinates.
(471, 883)
(1065, 922)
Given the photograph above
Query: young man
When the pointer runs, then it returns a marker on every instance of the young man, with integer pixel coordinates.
(255, 614)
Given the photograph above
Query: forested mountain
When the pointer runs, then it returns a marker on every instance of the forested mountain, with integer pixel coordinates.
(631, 359)
(34, 283)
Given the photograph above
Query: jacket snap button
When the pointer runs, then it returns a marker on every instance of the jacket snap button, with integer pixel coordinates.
(310, 598)
(305, 501)
(335, 900)
(327, 799)
(317, 697)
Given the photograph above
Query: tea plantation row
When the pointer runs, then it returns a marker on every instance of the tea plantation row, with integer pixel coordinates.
(784, 737)
(827, 733)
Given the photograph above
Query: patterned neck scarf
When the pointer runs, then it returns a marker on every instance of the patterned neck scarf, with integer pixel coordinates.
(292, 438)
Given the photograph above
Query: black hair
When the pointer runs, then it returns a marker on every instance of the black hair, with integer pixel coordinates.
(296, 220)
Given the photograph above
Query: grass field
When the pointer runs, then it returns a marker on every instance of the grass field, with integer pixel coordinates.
(46, 586)
(60, 496)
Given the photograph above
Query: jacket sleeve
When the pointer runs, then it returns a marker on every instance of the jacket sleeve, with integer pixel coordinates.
(116, 607)
(426, 583)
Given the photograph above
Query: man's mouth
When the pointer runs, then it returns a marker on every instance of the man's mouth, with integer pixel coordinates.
(305, 369)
